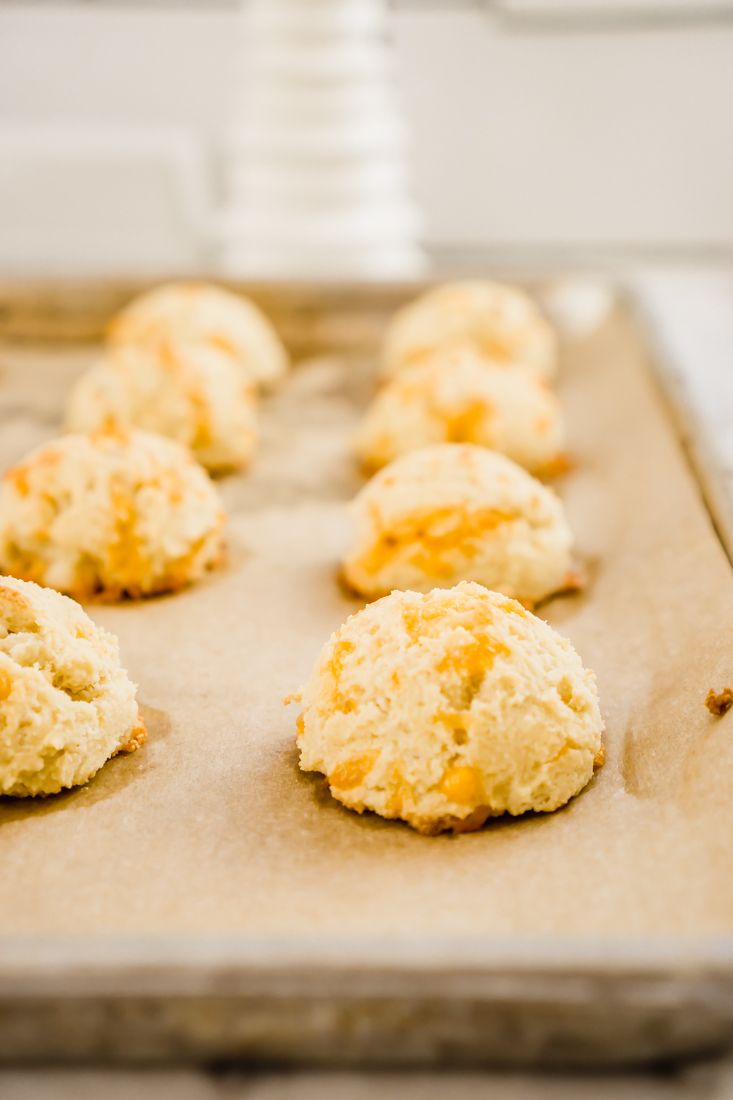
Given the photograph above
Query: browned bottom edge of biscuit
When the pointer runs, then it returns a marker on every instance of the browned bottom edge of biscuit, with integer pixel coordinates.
(137, 738)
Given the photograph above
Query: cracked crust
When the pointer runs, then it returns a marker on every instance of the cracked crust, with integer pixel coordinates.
(498, 321)
(68, 706)
(112, 514)
(457, 512)
(203, 314)
(461, 396)
(446, 708)
(190, 393)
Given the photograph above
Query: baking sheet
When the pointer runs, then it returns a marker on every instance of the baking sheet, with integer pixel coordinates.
(211, 828)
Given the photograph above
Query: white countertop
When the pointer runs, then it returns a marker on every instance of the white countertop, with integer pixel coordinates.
(691, 317)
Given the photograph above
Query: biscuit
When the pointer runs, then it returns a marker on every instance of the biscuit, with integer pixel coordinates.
(189, 392)
(458, 396)
(449, 708)
(456, 512)
(500, 322)
(111, 514)
(203, 313)
(67, 703)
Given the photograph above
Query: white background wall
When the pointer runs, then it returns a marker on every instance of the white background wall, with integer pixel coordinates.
(111, 117)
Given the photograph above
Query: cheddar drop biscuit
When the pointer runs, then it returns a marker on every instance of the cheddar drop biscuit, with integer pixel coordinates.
(459, 396)
(456, 512)
(202, 313)
(67, 704)
(449, 708)
(500, 322)
(111, 514)
(192, 393)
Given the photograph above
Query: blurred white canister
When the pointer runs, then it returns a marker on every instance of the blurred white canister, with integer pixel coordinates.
(317, 166)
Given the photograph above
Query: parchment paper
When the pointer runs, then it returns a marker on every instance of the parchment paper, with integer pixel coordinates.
(212, 828)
